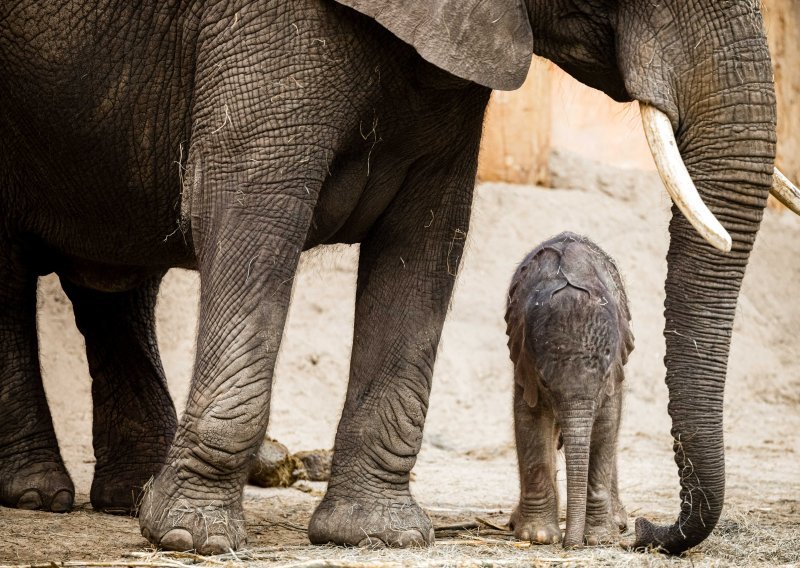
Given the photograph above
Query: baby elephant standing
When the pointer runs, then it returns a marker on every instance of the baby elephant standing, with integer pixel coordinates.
(569, 337)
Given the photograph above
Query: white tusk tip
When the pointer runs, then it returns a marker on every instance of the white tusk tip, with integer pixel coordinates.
(784, 191)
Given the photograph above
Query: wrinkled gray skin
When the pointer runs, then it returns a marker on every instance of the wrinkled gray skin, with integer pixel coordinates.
(569, 337)
(227, 137)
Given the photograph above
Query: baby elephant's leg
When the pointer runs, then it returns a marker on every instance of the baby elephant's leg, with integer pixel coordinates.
(536, 517)
(605, 515)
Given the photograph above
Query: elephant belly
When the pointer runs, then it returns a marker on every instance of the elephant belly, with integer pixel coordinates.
(353, 197)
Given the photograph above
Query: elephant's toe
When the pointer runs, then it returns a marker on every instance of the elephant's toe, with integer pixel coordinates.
(179, 540)
(538, 534)
(30, 500)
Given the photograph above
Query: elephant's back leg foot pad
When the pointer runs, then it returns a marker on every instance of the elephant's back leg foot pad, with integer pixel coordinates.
(399, 523)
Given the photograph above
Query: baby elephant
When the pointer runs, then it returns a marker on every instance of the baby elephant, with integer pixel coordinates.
(569, 337)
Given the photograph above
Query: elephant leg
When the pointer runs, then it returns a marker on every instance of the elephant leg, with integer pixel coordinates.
(620, 514)
(407, 268)
(32, 473)
(605, 515)
(247, 258)
(134, 418)
(536, 517)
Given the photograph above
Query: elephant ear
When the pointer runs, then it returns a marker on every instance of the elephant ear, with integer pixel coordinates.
(489, 43)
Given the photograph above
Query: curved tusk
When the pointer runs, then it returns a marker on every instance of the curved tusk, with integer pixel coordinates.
(784, 191)
(676, 178)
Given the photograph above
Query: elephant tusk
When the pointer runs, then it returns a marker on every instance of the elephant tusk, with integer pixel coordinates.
(784, 191)
(676, 178)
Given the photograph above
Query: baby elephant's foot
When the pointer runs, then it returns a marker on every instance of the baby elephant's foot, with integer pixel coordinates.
(397, 523)
(44, 485)
(606, 517)
(172, 520)
(599, 534)
(534, 528)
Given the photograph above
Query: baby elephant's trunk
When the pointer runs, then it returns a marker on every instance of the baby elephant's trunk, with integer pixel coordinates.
(576, 427)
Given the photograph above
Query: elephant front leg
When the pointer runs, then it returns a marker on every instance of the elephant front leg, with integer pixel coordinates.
(536, 517)
(247, 259)
(407, 268)
(133, 419)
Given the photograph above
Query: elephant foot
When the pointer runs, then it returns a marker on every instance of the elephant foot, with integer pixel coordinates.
(172, 520)
(118, 492)
(604, 527)
(535, 529)
(43, 485)
(395, 523)
(599, 534)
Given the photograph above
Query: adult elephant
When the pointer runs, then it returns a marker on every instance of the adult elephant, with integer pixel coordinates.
(230, 136)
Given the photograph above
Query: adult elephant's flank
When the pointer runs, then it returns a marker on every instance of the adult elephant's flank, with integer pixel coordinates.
(230, 136)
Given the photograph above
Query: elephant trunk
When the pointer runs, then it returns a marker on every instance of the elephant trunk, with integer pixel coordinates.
(576, 428)
(724, 116)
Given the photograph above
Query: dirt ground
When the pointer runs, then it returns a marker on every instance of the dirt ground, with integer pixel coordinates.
(467, 467)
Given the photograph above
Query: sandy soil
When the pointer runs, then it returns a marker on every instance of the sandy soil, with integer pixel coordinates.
(467, 464)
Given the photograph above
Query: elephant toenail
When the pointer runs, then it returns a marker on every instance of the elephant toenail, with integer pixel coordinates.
(179, 540)
(62, 502)
(216, 544)
(30, 500)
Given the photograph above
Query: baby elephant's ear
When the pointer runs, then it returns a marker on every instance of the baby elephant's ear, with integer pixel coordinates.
(489, 43)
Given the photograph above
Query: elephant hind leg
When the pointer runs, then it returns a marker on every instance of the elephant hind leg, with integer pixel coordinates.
(134, 419)
(32, 473)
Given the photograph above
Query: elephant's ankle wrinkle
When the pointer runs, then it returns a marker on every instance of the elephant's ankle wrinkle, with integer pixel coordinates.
(361, 489)
(210, 463)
